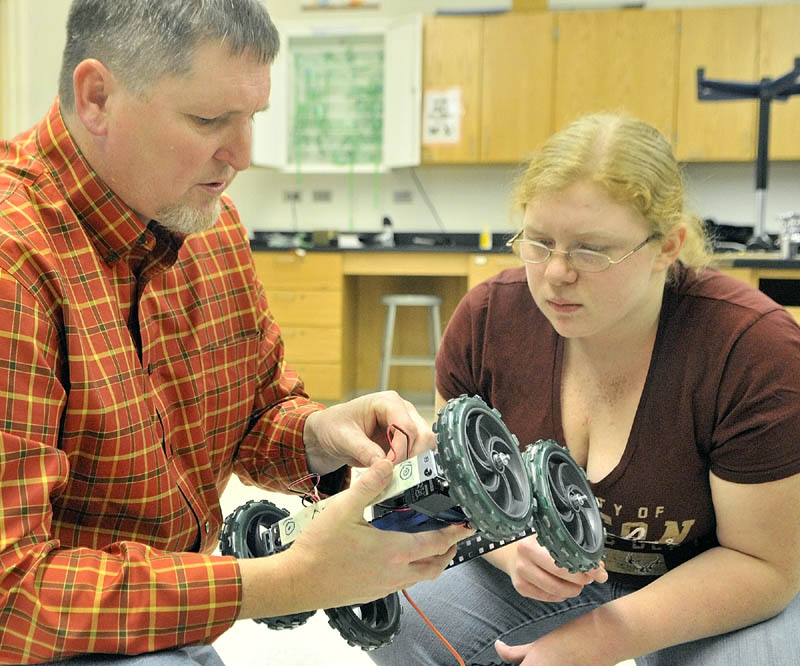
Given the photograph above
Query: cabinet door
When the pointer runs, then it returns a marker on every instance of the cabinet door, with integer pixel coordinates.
(779, 46)
(451, 58)
(614, 60)
(725, 43)
(517, 85)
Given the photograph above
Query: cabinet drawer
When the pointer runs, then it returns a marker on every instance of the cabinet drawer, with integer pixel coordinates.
(304, 343)
(306, 308)
(483, 266)
(323, 381)
(292, 270)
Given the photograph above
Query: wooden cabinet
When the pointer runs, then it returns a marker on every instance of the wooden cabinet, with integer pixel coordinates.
(614, 60)
(451, 58)
(779, 45)
(725, 43)
(483, 266)
(517, 87)
(305, 294)
(503, 67)
(518, 83)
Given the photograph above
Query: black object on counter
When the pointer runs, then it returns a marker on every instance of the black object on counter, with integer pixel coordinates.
(765, 91)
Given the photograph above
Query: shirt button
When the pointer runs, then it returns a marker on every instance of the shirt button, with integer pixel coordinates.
(207, 526)
(149, 368)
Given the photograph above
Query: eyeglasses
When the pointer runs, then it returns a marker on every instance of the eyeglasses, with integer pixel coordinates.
(588, 261)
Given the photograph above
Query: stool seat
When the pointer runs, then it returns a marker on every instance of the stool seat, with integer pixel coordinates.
(388, 359)
(426, 300)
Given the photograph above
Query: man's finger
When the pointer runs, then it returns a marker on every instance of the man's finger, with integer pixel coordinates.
(368, 486)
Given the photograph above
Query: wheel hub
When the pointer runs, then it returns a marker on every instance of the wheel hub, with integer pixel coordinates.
(577, 499)
(500, 461)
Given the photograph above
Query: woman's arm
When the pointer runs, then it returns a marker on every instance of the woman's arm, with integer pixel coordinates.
(751, 576)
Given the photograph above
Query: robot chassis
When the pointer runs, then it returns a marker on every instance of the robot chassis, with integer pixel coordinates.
(478, 476)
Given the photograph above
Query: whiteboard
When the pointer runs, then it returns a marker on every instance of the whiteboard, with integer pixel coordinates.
(344, 98)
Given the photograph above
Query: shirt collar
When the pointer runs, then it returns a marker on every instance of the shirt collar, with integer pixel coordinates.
(116, 231)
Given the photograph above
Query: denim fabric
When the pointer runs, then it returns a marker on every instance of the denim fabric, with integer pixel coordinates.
(474, 604)
(202, 655)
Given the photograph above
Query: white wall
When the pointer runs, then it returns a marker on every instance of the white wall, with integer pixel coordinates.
(465, 197)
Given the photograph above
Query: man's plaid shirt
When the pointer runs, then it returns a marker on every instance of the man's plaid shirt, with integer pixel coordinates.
(138, 370)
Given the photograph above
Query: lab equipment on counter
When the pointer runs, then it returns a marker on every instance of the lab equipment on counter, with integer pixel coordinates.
(790, 235)
(765, 91)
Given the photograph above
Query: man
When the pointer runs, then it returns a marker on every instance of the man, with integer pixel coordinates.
(140, 365)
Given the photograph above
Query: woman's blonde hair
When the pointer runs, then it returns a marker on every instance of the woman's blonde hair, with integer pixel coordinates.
(632, 161)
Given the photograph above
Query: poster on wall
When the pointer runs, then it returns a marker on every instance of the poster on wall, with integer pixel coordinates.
(441, 116)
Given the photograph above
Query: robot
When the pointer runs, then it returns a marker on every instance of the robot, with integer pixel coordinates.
(477, 475)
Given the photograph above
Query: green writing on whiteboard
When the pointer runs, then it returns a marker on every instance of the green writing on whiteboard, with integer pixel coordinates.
(337, 105)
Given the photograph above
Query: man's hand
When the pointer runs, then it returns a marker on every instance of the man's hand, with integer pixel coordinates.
(339, 559)
(354, 433)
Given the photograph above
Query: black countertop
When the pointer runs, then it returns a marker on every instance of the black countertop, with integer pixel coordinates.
(403, 242)
(279, 240)
(755, 260)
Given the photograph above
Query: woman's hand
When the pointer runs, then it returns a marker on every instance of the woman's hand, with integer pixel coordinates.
(355, 432)
(534, 574)
(546, 652)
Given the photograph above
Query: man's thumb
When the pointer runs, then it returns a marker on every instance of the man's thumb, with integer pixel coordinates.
(369, 485)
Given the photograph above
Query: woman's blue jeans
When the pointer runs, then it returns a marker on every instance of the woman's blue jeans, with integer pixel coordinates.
(474, 604)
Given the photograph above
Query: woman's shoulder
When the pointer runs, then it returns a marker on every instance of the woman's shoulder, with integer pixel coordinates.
(712, 289)
(717, 311)
(507, 285)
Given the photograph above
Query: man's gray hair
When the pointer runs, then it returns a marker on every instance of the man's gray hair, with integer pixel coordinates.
(141, 41)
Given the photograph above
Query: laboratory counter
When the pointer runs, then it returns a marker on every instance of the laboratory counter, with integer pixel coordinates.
(328, 304)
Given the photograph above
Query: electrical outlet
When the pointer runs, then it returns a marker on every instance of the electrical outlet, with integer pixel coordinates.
(291, 195)
(402, 196)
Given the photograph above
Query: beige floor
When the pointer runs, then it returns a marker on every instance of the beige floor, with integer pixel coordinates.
(251, 644)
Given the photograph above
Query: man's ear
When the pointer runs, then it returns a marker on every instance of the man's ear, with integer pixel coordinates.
(670, 247)
(93, 83)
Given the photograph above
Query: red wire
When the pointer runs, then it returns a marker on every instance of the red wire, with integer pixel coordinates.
(314, 495)
(435, 630)
(389, 432)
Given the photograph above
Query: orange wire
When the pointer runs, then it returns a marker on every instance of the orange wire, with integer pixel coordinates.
(389, 433)
(435, 630)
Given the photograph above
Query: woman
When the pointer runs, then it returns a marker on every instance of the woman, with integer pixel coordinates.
(677, 389)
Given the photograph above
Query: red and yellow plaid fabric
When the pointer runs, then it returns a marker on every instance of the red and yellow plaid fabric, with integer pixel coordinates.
(138, 369)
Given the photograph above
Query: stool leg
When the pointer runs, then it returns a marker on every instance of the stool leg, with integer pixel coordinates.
(436, 336)
(388, 339)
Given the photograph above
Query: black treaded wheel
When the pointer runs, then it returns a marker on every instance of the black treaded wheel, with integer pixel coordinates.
(566, 517)
(241, 537)
(368, 626)
(484, 467)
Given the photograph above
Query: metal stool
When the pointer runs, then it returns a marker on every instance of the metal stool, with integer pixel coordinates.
(392, 302)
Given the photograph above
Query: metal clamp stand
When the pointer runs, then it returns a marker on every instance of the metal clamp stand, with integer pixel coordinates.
(764, 91)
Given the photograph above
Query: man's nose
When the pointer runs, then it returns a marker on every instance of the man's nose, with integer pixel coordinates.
(236, 149)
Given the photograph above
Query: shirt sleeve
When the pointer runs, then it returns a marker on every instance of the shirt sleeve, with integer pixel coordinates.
(758, 407)
(57, 601)
(272, 454)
